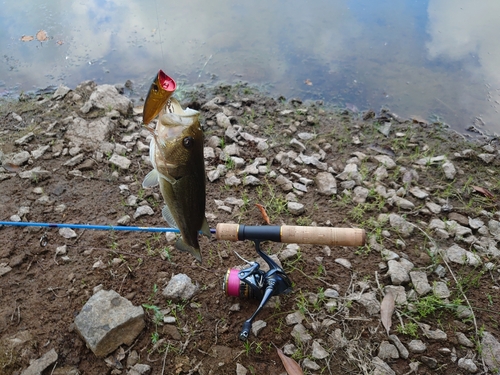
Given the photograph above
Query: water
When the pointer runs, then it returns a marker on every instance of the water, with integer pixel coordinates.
(437, 59)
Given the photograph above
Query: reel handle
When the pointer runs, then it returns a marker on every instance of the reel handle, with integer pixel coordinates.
(292, 234)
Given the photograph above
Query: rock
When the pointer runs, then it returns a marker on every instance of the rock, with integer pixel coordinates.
(467, 364)
(459, 255)
(370, 302)
(440, 289)
(222, 120)
(490, 352)
(143, 210)
(300, 334)
(387, 161)
(92, 133)
(258, 326)
(417, 346)
(180, 287)
(318, 352)
(475, 223)
(350, 173)
(381, 368)
(398, 292)
(420, 282)
(359, 194)
(433, 207)
(108, 98)
(290, 251)
(437, 334)
(241, 370)
(326, 183)
(487, 158)
(418, 193)
(401, 225)
(294, 318)
(464, 340)
(37, 366)
(403, 352)
(449, 170)
(398, 273)
(295, 208)
(430, 362)
(311, 365)
(344, 262)
(74, 160)
(387, 351)
(402, 203)
(120, 161)
(107, 321)
(380, 174)
(25, 139)
(67, 233)
(4, 269)
(20, 158)
(61, 92)
(139, 369)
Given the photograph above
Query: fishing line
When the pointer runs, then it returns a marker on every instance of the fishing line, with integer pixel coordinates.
(159, 32)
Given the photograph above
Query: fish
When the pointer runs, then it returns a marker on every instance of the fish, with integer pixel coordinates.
(176, 153)
(161, 89)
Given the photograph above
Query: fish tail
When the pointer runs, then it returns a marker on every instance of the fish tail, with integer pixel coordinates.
(182, 246)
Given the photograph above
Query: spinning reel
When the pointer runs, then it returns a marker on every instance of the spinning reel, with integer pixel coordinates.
(252, 282)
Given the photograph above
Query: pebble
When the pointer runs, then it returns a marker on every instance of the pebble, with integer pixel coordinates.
(467, 364)
(417, 346)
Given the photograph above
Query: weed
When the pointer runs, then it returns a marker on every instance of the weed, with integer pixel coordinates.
(410, 329)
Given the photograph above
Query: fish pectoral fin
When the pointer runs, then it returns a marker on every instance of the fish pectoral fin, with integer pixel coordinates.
(167, 215)
(205, 229)
(168, 178)
(151, 179)
(182, 246)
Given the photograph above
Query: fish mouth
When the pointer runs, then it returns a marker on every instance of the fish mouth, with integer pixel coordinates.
(160, 91)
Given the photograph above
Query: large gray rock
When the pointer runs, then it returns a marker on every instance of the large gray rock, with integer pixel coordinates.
(107, 321)
(92, 133)
(420, 282)
(398, 272)
(180, 287)
(491, 352)
(108, 98)
(456, 254)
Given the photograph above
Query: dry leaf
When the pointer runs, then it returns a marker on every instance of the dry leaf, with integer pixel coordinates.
(10, 167)
(484, 191)
(291, 366)
(42, 36)
(27, 38)
(263, 213)
(386, 310)
(308, 82)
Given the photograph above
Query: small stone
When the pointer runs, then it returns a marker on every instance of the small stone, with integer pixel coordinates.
(241, 370)
(381, 368)
(344, 262)
(120, 161)
(401, 225)
(290, 251)
(387, 351)
(464, 340)
(180, 287)
(417, 346)
(467, 364)
(67, 233)
(403, 352)
(398, 273)
(311, 365)
(449, 170)
(459, 255)
(139, 369)
(420, 282)
(258, 326)
(143, 210)
(430, 362)
(487, 158)
(294, 318)
(318, 352)
(387, 161)
(418, 193)
(300, 334)
(440, 289)
(326, 183)
(295, 208)
(40, 364)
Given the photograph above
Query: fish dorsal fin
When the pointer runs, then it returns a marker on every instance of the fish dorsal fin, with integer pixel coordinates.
(151, 179)
(205, 229)
(167, 215)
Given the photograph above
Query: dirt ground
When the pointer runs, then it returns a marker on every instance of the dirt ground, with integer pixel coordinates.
(42, 293)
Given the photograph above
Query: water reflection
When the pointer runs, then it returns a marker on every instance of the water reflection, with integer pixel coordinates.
(426, 58)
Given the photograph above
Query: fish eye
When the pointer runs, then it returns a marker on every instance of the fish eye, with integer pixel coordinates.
(188, 142)
(155, 87)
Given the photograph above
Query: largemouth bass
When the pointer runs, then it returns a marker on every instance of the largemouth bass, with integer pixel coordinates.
(176, 152)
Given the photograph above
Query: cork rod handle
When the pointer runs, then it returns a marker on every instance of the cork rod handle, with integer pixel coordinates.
(292, 234)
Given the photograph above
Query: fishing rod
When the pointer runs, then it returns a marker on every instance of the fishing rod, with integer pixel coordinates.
(250, 282)
(239, 232)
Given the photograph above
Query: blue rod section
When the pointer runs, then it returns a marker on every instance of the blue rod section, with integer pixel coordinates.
(89, 226)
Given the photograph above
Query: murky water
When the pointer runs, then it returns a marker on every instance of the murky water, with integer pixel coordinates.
(434, 58)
